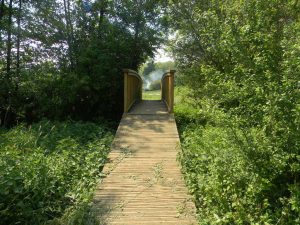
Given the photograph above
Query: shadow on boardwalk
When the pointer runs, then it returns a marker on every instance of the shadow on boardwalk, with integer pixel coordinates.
(143, 183)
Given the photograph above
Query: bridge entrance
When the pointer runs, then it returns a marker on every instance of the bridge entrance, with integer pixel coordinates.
(133, 94)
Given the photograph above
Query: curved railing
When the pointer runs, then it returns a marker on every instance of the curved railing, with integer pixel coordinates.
(167, 89)
(133, 85)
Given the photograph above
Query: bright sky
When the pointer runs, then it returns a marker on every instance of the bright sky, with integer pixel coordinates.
(162, 56)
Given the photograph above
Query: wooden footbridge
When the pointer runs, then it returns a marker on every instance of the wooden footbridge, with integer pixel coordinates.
(143, 183)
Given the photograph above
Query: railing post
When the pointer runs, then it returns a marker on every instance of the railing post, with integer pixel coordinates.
(167, 89)
(172, 82)
(125, 90)
(141, 91)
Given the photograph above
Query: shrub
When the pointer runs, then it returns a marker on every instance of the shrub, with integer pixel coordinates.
(155, 85)
(238, 174)
(48, 169)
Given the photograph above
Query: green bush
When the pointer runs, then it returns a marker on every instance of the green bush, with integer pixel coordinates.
(49, 169)
(238, 174)
(155, 85)
(240, 61)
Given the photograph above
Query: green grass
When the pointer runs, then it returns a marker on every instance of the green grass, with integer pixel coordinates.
(152, 95)
(48, 171)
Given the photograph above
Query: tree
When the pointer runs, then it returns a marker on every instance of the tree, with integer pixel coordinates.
(145, 20)
(147, 68)
(239, 58)
(79, 47)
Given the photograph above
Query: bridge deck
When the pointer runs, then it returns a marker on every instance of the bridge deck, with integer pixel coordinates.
(148, 107)
(143, 183)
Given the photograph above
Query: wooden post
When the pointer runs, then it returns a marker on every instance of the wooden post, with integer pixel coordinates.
(172, 82)
(172, 74)
(125, 90)
(161, 90)
(167, 89)
(141, 91)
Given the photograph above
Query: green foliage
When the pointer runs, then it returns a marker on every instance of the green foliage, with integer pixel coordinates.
(72, 52)
(155, 85)
(165, 66)
(237, 174)
(147, 68)
(239, 117)
(152, 73)
(49, 170)
(239, 61)
(150, 66)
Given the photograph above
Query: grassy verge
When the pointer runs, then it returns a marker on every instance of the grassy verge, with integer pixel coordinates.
(237, 174)
(48, 171)
(152, 95)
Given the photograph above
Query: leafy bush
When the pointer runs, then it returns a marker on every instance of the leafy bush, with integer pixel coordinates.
(49, 169)
(240, 61)
(155, 85)
(238, 174)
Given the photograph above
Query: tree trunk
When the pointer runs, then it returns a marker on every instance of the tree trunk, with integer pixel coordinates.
(137, 30)
(9, 42)
(101, 17)
(1, 17)
(69, 32)
(1, 10)
(18, 44)
(8, 64)
(136, 50)
(100, 22)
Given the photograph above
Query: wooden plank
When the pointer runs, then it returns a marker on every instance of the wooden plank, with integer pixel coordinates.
(143, 183)
(149, 107)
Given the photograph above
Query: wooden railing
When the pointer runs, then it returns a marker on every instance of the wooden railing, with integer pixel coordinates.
(133, 85)
(167, 89)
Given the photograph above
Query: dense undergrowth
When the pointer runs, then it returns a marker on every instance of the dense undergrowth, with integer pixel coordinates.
(240, 118)
(48, 171)
(237, 174)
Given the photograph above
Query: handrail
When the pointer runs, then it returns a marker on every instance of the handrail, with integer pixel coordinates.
(133, 85)
(167, 89)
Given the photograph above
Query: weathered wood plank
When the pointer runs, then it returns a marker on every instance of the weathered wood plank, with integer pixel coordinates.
(149, 107)
(143, 183)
